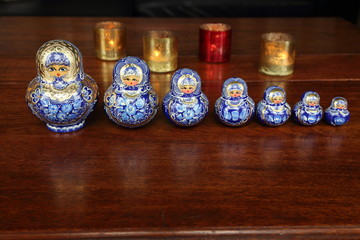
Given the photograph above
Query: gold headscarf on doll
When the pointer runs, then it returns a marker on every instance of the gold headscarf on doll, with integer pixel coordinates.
(59, 52)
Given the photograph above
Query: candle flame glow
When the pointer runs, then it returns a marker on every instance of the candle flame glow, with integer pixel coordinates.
(283, 55)
(157, 53)
(111, 42)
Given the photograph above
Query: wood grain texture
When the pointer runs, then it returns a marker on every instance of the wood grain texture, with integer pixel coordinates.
(162, 181)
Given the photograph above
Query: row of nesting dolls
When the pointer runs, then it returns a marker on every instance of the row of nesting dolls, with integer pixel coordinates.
(62, 95)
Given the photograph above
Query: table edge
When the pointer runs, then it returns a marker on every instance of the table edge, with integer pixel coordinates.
(303, 232)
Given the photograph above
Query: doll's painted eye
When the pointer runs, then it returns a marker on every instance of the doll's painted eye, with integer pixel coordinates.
(62, 69)
(51, 69)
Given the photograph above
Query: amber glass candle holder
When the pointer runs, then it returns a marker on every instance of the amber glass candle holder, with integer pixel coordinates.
(160, 50)
(277, 54)
(109, 40)
(215, 42)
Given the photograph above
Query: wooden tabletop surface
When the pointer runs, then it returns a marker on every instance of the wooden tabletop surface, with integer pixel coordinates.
(162, 181)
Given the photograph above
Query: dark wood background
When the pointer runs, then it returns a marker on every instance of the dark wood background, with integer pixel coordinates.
(162, 181)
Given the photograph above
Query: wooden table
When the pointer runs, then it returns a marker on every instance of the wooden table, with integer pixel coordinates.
(161, 181)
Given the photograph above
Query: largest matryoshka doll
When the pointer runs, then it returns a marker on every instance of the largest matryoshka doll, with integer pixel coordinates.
(61, 95)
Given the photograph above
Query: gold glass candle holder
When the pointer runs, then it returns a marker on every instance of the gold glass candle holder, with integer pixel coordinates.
(277, 54)
(109, 40)
(160, 50)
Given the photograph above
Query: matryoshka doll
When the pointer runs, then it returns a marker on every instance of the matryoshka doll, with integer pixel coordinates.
(185, 105)
(234, 108)
(337, 114)
(61, 95)
(273, 110)
(130, 101)
(308, 110)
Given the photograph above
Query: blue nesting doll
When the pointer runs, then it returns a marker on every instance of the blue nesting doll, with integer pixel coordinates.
(273, 110)
(185, 105)
(130, 101)
(308, 110)
(61, 95)
(234, 107)
(337, 114)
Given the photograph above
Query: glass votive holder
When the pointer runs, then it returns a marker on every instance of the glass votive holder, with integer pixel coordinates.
(109, 40)
(160, 50)
(277, 54)
(215, 42)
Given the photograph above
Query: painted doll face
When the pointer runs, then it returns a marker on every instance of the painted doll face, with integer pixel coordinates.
(278, 99)
(58, 70)
(187, 89)
(131, 80)
(340, 105)
(187, 84)
(235, 93)
(312, 101)
(131, 74)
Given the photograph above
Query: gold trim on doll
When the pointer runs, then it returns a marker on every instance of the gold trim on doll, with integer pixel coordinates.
(59, 68)
(60, 95)
(60, 49)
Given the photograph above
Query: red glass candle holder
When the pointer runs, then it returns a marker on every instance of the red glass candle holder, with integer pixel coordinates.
(215, 42)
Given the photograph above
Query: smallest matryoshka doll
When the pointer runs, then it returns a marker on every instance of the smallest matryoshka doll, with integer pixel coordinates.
(337, 114)
(130, 101)
(234, 108)
(273, 110)
(185, 105)
(308, 110)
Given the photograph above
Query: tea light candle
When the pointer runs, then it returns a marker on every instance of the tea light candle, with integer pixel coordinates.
(277, 54)
(109, 40)
(160, 50)
(215, 42)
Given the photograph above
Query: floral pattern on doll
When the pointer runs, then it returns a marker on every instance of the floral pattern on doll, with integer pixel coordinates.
(131, 101)
(61, 94)
(185, 104)
(273, 110)
(337, 114)
(234, 107)
(87, 93)
(35, 95)
(308, 110)
(63, 112)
